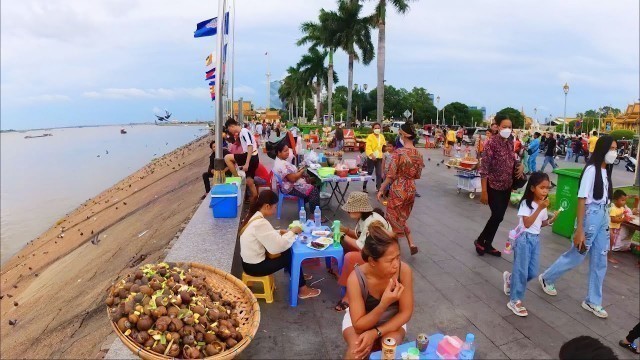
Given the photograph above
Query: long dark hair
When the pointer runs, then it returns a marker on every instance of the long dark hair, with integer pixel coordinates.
(365, 215)
(534, 180)
(266, 197)
(596, 159)
(377, 242)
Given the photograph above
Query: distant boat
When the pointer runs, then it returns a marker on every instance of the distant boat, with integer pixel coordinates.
(37, 136)
(123, 131)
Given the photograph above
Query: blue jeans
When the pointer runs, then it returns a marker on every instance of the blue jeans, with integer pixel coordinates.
(532, 162)
(339, 145)
(596, 231)
(569, 154)
(548, 160)
(526, 259)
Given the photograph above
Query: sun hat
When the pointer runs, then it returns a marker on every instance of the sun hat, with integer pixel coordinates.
(357, 202)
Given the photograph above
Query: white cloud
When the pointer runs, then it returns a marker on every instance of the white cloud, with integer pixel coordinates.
(244, 90)
(135, 93)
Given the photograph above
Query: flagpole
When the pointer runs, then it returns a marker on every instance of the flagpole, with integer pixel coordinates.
(268, 85)
(233, 57)
(219, 81)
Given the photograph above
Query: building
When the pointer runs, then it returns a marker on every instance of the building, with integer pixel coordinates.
(629, 120)
(269, 116)
(274, 96)
(247, 111)
(483, 109)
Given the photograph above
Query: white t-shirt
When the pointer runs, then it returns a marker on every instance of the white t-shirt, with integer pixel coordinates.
(586, 186)
(259, 129)
(525, 211)
(260, 237)
(247, 139)
(362, 228)
(294, 131)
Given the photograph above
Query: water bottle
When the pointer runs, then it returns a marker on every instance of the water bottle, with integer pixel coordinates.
(468, 348)
(317, 217)
(303, 216)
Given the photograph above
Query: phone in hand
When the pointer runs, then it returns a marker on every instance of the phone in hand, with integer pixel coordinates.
(582, 248)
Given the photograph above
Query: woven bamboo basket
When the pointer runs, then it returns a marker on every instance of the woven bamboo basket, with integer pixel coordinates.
(232, 289)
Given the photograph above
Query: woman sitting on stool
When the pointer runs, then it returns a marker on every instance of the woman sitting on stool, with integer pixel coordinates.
(359, 208)
(265, 250)
(380, 294)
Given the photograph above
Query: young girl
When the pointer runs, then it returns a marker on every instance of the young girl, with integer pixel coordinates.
(533, 216)
(591, 235)
(617, 214)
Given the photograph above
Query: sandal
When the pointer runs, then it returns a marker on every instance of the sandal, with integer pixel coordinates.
(307, 277)
(310, 295)
(630, 346)
(341, 306)
(517, 308)
(479, 248)
(414, 249)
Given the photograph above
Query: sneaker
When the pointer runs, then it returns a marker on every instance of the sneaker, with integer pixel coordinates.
(597, 310)
(517, 308)
(506, 286)
(549, 289)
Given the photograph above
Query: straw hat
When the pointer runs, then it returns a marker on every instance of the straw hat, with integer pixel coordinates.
(357, 202)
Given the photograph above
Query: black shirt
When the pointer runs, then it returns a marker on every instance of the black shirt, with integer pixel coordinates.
(551, 147)
(339, 134)
(212, 158)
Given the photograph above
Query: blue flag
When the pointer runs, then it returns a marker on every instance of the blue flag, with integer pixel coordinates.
(210, 27)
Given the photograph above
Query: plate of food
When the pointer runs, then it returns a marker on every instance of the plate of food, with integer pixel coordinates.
(320, 243)
(320, 233)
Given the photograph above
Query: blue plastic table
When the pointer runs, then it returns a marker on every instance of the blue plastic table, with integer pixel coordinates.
(429, 354)
(338, 193)
(301, 252)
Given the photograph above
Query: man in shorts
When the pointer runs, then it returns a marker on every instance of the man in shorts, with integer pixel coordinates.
(248, 161)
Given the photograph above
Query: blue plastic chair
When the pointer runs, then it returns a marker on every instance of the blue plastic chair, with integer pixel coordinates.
(282, 196)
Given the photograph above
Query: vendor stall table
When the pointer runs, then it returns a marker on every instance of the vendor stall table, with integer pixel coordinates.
(301, 252)
(429, 354)
(337, 192)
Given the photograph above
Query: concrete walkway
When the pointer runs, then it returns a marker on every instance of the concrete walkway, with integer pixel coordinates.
(456, 291)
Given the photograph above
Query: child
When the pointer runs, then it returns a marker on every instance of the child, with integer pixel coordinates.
(362, 164)
(386, 163)
(533, 216)
(617, 214)
(591, 234)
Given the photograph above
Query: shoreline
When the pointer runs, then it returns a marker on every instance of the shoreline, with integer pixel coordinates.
(58, 282)
(186, 123)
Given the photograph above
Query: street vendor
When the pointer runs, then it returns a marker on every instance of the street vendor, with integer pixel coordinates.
(359, 208)
(380, 294)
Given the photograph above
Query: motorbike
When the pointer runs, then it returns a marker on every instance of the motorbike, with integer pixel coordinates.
(621, 156)
(631, 163)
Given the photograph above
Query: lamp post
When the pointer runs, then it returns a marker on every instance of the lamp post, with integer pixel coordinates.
(565, 88)
(437, 111)
(454, 120)
(360, 89)
(599, 120)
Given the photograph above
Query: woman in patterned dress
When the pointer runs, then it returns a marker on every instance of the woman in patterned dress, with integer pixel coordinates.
(406, 167)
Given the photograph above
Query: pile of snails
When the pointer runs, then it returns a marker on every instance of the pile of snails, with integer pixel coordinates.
(169, 310)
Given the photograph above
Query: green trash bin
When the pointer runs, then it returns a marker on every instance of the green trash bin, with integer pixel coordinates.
(567, 198)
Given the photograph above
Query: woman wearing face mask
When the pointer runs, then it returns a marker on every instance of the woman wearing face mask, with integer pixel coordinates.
(497, 170)
(406, 166)
(374, 152)
(591, 236)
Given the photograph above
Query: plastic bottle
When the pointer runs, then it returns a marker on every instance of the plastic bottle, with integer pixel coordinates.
(303, 216)
(468, 348)
(317, 217)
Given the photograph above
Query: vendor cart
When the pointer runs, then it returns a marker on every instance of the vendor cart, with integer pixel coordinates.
(468, 180)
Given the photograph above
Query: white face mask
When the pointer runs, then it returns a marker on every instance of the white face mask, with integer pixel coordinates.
(611, 157)
(505, 133)
(376, 131)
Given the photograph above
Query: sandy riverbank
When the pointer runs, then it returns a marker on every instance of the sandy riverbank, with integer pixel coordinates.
(55, 286)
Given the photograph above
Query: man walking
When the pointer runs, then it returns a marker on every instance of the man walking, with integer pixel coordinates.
(550, 153)
(532, 150)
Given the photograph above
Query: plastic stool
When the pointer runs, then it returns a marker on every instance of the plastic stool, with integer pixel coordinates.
(268, 284)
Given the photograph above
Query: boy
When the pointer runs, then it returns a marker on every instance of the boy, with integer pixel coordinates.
(248, 161)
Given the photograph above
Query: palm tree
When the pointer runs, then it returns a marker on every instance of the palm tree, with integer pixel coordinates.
(401, 6)
(351, 33)
(314, 73)
(318, 36)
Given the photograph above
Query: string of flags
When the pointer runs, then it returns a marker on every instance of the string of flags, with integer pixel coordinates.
(209, 27)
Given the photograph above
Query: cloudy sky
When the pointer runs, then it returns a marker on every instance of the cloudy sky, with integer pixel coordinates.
(72, 62)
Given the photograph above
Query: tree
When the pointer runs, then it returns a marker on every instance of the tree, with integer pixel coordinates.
(476, 116)
(314, 73)
(514, 115)
(419, 102)
(458, 112)
(401, 6)
(351, 33)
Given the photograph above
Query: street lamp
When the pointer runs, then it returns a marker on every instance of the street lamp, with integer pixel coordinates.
(454, 120)
(565, 88)
(437, 111)
(357, 89)
(599, 120)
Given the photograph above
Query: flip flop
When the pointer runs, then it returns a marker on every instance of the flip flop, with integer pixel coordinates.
(414, 249)
(629, 347)
(312, 294)
(307, 277)
(341, 306)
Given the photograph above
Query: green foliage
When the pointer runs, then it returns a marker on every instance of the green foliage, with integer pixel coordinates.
(622, 134)
(514, 115)
(390, 137)
(307, 128)
(460, 111)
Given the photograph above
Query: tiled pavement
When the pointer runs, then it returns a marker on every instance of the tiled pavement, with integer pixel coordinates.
(456, 291)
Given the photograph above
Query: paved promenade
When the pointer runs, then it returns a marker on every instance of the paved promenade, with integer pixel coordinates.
(456, 291)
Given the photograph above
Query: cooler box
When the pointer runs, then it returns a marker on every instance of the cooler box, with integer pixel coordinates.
(567, 197)
(224, 201)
